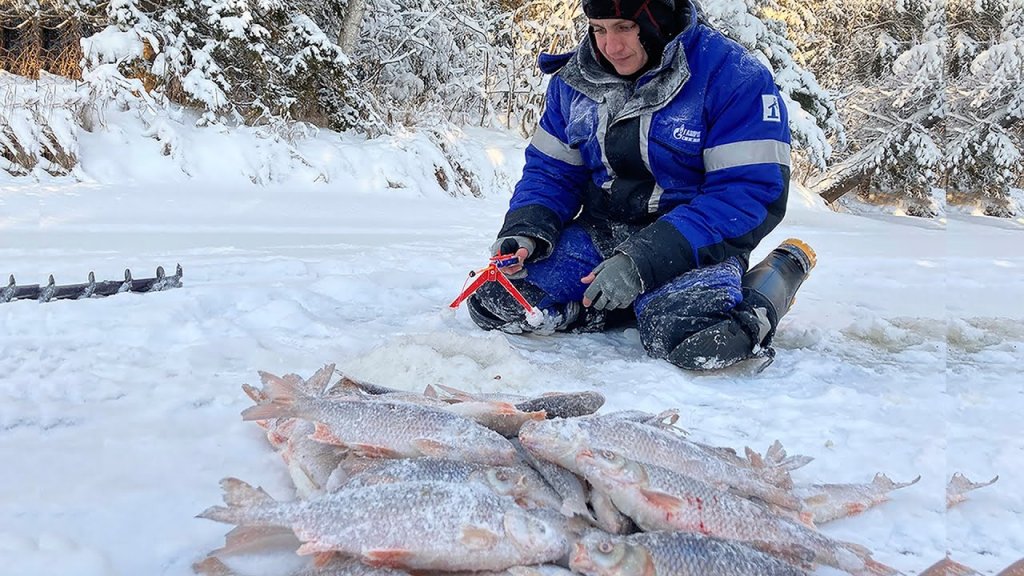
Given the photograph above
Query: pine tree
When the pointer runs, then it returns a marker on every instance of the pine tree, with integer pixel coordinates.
(984, 157)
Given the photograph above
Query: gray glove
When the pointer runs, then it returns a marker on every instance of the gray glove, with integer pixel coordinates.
(511, 245)
(617, 283)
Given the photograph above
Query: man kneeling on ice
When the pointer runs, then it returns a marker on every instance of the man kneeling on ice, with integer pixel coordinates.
(661, 160)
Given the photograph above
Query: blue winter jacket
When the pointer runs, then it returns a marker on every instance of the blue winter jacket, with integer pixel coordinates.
(693, 159)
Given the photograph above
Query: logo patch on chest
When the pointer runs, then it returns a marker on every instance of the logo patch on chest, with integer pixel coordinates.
(770, 108)
(686, 135)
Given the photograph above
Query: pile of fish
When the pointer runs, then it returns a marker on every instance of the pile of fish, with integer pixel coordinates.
(394, 482)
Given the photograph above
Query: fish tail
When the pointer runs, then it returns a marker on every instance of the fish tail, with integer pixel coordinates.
(884, 483)
(284, 399)
(245, 505)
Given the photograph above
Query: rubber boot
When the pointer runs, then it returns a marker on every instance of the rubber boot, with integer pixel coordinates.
(769, 290)
(773, 283)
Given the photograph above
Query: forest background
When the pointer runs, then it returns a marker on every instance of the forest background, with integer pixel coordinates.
(915, 105)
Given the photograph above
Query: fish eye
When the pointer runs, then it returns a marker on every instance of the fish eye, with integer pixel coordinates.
(608, 455)
(605, 547)
(501, 476)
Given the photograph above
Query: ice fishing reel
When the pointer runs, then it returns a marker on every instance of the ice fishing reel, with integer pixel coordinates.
(492, 273)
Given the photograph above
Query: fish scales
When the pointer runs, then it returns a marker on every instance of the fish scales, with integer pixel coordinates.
(557, 441)
(523, 484)
(470, 528)
(661, 499)
(564, 404)
(387, 429)
(673, 554)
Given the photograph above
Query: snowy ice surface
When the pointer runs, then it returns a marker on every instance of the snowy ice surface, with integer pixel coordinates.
(118, 416)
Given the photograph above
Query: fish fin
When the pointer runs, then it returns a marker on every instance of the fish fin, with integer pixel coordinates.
(317, 383)
(459, 395)
(795, 554)
(505, 408)
(477, 538)
(322, 433)
(661, 500)
(254, 394)
(889, 485)
(373, 451)
(806, 517)
(284, 399)
(754, 458)
(242, 500)
(538, 415)
(431, 447)
(387, 557)
(244, 539)
(321, 559)
(313, 548)
(238, 493)
(212, 566)
(876, 568)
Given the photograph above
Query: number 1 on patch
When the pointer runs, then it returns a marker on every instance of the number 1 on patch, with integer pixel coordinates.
(770, 108)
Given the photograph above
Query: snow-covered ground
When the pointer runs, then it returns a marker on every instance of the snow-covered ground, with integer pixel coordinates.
(118, 416)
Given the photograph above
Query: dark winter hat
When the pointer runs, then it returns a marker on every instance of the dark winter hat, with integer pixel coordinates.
(657, 19)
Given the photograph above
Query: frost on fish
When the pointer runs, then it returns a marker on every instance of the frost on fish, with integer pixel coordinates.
(564, 404)
(949, 567)
(385, 429)
(827, 502)
(470, 528)
(558, 441)
(522, 484)
(958, 487)
(657, 498)
(672, 554)
(502, 417)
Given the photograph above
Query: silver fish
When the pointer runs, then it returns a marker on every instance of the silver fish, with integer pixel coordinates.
(827, 502)
(657, 498)
(558, 441)
(522, 484)
(564, 404)
(672, 554)
(958, 487)
(310, 463)
(386, 429)
(470, 528)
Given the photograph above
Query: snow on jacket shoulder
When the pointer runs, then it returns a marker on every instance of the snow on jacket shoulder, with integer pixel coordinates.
(710, 127)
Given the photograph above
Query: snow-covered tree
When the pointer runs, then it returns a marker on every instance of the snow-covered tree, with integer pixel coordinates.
(894, 105)
(986, 127)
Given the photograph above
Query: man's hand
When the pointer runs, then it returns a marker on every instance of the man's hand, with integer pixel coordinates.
(521, 246)
(615, 283)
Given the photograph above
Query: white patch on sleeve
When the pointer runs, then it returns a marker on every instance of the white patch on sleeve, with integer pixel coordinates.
(770, 108)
